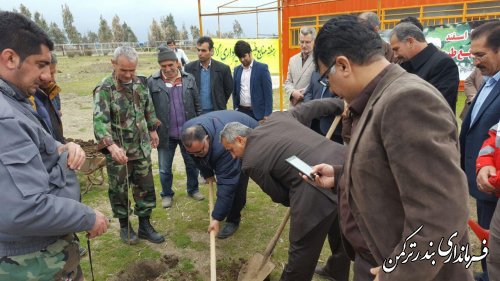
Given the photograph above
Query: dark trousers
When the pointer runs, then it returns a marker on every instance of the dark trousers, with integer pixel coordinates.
(485, 211)
(493, 258)
(240, 199)
(303, 254)
(362, 269)
(165, 160)
(247, 110)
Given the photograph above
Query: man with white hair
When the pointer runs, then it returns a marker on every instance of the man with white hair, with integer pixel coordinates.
(300, 67)
(125, 126)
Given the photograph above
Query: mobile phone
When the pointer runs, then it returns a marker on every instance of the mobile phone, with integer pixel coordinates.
(301, 166)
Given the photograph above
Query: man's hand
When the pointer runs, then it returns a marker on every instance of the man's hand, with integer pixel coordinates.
(211, 180)
(76, 155)
(100, 226)
(154, 139)
(297, 96)
(482, 179)
(375, 271)
(214, 226)
(324, 176)
(118, 154)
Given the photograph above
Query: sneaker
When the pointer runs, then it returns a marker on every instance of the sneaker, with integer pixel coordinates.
(320, 270)
(228, 230)
(201, 179)
(197, 196)
(166, 202)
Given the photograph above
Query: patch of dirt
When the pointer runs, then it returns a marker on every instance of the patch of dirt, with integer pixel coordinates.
(148, 269)
(231, 272)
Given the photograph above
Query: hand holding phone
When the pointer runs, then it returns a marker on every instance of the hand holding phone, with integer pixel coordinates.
(302, 167)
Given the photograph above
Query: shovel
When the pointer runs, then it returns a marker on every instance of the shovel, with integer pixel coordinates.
(260, 266)
(213, 273)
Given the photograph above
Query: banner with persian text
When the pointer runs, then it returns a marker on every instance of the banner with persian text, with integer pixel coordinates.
(263, 50)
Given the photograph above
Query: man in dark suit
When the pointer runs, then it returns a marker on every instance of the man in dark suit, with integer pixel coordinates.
(253, 89)
(316, 90)
(200, 137)
(425, 60)
(401, 186)
(213, 78)
(484, 112)
(263, 151)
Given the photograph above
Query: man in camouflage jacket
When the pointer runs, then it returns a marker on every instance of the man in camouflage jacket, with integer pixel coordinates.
(125, 128)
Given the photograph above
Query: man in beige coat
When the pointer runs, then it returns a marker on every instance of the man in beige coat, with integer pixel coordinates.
(401, 187)
(300, 67)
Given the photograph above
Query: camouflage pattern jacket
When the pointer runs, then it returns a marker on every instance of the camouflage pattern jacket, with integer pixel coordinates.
(125, 116)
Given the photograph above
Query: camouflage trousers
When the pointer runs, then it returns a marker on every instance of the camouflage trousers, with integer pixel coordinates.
(59, 261)
(138, 175)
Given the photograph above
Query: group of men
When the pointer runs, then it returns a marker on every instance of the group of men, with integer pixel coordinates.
(393, 192)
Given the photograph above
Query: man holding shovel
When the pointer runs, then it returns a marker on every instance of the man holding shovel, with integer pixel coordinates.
(263, 151)
(200, 137)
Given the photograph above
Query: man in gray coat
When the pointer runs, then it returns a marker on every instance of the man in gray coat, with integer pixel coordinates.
(263, 151)
(401, 189)
(175, 98)
(40, 190)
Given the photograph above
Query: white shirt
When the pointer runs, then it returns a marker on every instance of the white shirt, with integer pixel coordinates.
(246, 74)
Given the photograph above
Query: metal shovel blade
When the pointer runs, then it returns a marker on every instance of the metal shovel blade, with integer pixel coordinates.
(256, 269)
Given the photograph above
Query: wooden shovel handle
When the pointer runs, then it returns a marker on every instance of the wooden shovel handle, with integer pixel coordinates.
(334, 125)
(213, 272)
(272, 243)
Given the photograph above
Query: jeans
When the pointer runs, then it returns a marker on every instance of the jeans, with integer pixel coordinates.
(165, 159)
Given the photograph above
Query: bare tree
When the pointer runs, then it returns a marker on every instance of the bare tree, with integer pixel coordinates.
(184, 35)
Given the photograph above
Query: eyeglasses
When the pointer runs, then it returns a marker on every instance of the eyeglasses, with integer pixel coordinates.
(479, 57)
(323, 80)
(201, 152)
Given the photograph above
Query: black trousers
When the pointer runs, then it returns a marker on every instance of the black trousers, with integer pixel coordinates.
(240, 199)
(303, 254)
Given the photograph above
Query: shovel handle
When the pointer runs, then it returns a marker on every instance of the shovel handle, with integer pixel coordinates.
(334, 125)
(213, 272)
(272, 243)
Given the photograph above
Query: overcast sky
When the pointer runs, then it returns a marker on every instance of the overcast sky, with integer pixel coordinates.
(139, 14)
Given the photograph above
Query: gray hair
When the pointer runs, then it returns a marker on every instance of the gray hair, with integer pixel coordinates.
(234, 129)
(306, 30)
(126, 51)
(193, 133)
(371, 19)
(53, 59)
(405, 30)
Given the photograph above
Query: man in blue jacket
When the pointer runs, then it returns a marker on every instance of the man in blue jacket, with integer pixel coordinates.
(200, 137)
(253, 89)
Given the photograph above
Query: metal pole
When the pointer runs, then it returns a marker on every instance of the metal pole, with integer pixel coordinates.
(218, 22)
(199, 18)
(257, 17)
(280, 38)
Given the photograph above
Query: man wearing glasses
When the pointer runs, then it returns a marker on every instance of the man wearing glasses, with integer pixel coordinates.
(200, 137)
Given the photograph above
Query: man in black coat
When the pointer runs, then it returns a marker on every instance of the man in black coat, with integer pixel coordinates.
(425, 60)
(213, 78)
(200, 137)
(313, 210)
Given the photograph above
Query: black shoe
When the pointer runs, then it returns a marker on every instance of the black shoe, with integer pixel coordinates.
(320, 270)
(128, 237)
(228, 230)
(146, 231)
